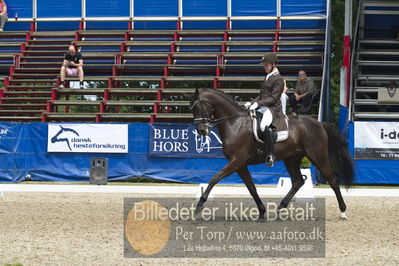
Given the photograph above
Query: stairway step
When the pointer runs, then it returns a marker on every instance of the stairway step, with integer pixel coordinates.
(53, 34)
(28, 64)
(29, 75)
(377, 63)
(44, 46)
(71, 116)
(28, 93)
(24, 106)
(35, 70)
(45, 52)
(52, 41)
(19, 112)
(29, 87)
(42, 57)
(50, 81)
(25, 99)
(21, 118)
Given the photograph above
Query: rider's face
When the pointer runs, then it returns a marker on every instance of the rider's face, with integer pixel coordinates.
(268, 67)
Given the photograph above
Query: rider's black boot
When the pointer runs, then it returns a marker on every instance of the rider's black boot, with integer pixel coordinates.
(268, 140)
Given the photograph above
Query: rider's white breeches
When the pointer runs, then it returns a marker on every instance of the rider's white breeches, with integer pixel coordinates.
(267, 118)
(283, 99)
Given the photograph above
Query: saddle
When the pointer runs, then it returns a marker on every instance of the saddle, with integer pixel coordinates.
(277, 136)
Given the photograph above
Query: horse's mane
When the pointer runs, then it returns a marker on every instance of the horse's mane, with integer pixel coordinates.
(225, 95)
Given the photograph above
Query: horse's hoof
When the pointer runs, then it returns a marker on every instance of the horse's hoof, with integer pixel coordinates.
(261, 219)
(343, 216)
(198, 210)
(280, 208)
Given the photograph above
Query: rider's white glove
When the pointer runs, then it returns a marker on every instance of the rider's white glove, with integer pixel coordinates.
(247, 105)
(253, 106)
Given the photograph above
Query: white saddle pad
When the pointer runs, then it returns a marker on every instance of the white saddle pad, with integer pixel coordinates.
(281, 135)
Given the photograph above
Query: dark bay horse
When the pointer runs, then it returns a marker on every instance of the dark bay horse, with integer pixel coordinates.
(322, 143)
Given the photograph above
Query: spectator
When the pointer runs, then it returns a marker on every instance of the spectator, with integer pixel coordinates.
(72, 66)
(3, 14)
(304, 93)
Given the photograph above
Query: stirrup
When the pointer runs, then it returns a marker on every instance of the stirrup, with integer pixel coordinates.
(270, 159)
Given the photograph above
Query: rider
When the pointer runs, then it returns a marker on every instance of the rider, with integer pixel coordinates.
(269, 104)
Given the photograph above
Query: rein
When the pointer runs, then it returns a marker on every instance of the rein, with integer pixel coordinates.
(209, 121)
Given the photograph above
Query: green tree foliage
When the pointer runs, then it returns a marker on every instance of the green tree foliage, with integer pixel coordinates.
(337, 33)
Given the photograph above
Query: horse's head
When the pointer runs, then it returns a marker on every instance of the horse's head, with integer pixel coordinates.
(202, 110)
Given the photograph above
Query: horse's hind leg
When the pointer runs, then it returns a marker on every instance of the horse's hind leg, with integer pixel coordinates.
(247, 178)
(230, 168)
(321, 162)
(333, 181)
(293, 167)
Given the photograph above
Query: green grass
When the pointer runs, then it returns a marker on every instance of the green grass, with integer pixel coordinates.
(13, 264)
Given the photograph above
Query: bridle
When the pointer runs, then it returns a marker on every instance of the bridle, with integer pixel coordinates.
(209, 122)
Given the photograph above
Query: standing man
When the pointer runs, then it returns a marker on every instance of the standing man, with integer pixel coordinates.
(72, 66)
(3, 14)
(303, 94)
(269, 104)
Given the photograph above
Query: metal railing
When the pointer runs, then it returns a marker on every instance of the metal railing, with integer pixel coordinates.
(139, 19)
(325, 82)
(353, 53)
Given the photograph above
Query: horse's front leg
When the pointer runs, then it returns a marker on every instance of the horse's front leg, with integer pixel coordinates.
(247, 178)
(230, 168)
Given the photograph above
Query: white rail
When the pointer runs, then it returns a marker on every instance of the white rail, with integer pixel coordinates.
(133, 19)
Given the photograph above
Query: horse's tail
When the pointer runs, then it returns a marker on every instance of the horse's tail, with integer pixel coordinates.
(342, 162)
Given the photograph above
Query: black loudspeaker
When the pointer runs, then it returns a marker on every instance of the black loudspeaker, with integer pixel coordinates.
(98, 171)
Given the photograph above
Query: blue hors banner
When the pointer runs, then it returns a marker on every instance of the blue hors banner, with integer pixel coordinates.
(182, 140)
(93, 138)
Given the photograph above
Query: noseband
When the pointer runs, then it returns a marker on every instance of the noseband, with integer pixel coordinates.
(207, 121)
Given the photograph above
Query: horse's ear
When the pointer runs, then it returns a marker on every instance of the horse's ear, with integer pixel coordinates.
(190, 96)
(196, 94)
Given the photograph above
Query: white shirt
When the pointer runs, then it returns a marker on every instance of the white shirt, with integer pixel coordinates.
(274, 72)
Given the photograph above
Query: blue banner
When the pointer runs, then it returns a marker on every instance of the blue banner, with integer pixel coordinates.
(23, 152)
(6, 138)
(182, 140)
